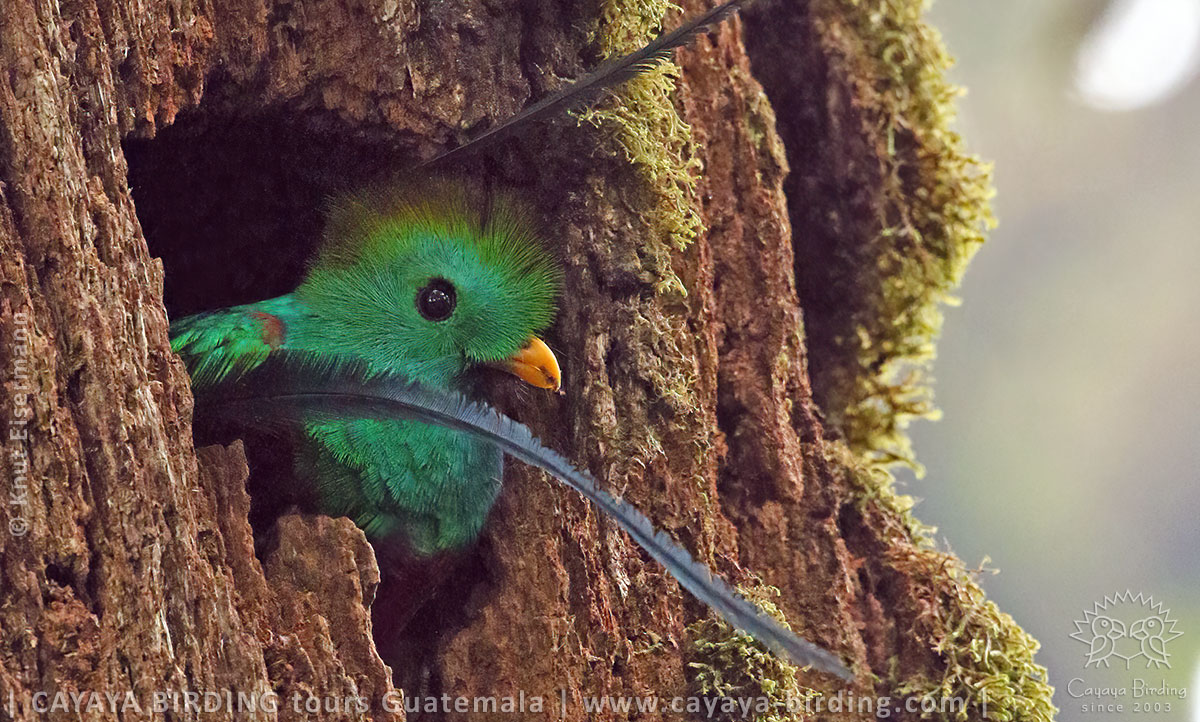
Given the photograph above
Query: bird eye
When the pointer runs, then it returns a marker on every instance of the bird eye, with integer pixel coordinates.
(436, 300)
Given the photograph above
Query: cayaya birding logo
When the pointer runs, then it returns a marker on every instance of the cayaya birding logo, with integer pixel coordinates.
(1126, 628)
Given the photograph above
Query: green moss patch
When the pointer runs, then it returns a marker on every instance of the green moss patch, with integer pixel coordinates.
(740, 673)
(988, 658)
(933, 211)
(647, 129)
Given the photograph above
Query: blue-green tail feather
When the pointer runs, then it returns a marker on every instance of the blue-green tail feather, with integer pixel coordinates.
(290, 388)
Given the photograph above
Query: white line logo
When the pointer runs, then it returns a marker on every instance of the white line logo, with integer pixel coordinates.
(1126, 627)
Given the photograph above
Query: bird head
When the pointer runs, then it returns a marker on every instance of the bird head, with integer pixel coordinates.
(1146, 628)
(430, 281)
(1103, 626)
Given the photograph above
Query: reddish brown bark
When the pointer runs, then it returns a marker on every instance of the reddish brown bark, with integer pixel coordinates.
(232, 120)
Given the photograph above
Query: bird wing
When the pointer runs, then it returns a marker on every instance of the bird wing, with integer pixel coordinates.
(288, 387)
(1101, 648)
(1155, 648)
(214, 344)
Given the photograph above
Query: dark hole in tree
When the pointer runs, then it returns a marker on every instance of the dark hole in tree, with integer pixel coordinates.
(233, 206)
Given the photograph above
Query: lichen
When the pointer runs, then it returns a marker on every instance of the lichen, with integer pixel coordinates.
(731, 665)
(648, 131)
(640, 126)
(988, 658)
(933, 213)
(669, 363)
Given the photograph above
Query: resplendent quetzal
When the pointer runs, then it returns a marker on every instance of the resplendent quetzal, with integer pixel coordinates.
(365, 363)
(365, 367)
(425, 287)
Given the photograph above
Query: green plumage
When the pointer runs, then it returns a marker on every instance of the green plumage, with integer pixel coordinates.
(368, 357)
(296, 385)
(400, 481)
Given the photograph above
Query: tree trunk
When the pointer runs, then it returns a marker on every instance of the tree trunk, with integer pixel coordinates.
(208, 134)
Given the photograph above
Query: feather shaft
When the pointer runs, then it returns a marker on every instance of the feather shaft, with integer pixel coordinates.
(291, 387)
(586, 89)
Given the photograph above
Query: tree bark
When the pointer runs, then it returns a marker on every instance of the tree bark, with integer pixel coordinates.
(208, 134)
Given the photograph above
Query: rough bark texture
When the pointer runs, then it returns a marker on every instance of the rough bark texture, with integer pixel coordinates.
(228, 122)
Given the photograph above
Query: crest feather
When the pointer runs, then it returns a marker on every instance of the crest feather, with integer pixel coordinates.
(380, 224)
(436, 204)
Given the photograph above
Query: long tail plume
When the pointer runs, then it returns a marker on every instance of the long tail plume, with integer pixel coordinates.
(292, 388)
(587, 89)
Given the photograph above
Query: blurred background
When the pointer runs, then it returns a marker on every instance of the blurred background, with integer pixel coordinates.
(1069, 452)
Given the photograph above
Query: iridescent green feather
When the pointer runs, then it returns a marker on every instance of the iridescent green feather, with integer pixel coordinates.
(426, 486)
(383, 244)
(214, 343)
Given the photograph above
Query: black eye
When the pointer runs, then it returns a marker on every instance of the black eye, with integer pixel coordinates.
(436, 300)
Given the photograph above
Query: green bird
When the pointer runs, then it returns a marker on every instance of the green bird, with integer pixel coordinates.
(367, 369)
(428, 287)
(424, 283)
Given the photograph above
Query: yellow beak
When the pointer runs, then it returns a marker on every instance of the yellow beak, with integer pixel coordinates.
(535, 364)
